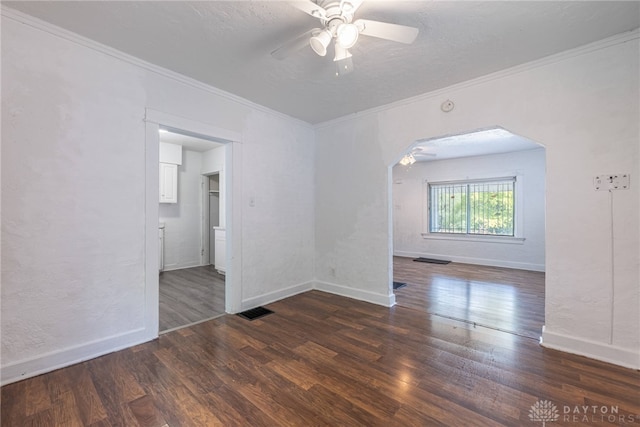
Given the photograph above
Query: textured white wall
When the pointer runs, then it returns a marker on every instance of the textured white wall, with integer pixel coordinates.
(409, 209)
(282, 238)
(583, 107)
(183, 220)
(73, 195)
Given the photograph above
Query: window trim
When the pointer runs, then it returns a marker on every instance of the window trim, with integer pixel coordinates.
(518, 232)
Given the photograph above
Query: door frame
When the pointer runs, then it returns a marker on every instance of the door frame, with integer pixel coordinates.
(232, 186)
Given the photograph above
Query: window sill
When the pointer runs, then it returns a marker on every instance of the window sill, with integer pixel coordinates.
(481, 239)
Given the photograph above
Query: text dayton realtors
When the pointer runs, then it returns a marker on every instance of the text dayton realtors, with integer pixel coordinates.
(595, 413)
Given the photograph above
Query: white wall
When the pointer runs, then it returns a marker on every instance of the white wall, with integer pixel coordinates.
(183, 220)
(583, 107)
(409, 207)
(73, 194)
(279, 203)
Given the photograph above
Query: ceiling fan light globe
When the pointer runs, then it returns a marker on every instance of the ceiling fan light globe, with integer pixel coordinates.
(347, 35)
(320, 42)
(407, 160)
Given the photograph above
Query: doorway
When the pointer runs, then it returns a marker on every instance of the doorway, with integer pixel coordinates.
(231, 158)
(468, 229)
(191, 284)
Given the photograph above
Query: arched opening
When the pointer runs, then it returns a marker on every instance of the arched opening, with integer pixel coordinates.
(468, 229)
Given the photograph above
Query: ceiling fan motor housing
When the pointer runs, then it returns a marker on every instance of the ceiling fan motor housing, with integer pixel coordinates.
(335, 13)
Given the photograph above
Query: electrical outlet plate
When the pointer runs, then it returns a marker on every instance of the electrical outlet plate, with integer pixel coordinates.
(611, 182)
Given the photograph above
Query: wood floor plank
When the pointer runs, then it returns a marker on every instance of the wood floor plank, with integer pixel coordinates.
(195, 413)
(234, 410)
(157, 380)
(39, 398)
(190, 295)
(86, 395)
(502, 298)
(14, 403)
(194, 376)
(146, 413)
(40, 419)
(65, 411)
(115, 385)
(324, 360)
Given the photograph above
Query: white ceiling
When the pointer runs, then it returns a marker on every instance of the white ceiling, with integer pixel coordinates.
(227, 44)
(188, 142)
(479, 143)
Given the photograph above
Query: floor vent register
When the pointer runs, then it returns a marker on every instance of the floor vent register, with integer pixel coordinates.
(255, 313)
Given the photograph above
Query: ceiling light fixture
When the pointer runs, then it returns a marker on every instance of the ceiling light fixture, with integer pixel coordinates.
(347, 35)
(320, 41)
(337, 19)
(407, 160)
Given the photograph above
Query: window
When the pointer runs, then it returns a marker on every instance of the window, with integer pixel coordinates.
(482, 207)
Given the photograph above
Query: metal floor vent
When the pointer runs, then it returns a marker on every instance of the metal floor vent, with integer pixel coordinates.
(432, 261)
(398, 285)
(255, 313)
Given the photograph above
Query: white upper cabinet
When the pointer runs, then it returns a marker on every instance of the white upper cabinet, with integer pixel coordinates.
(168, 183)
(170, 158)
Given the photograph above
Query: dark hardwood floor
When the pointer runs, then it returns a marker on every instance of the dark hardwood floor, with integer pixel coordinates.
(326, 360)
(500, 298)
(190, 295)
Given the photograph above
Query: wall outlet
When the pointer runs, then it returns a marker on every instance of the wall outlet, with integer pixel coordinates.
(611, 182)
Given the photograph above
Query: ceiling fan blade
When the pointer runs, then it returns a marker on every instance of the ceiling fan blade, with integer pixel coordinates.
(294, 45)
(307, 6)
(384, 30)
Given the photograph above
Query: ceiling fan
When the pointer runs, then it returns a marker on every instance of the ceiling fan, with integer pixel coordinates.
(338, 25)
(417, 153)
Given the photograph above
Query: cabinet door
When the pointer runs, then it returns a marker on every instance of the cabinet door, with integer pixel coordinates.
(168, 183)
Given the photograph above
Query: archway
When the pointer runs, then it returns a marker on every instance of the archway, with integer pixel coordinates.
(471, 207)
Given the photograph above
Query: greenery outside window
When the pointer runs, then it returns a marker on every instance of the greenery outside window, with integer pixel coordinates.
(476, 208)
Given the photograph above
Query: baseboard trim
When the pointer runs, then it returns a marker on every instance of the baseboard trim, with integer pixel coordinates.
(359, 294)
(182, 267)
(48, 362)
(254, 302)
(595, 350)
(475, 261)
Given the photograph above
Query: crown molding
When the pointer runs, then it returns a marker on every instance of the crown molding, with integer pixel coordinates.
(548, 60)
(54, 30)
